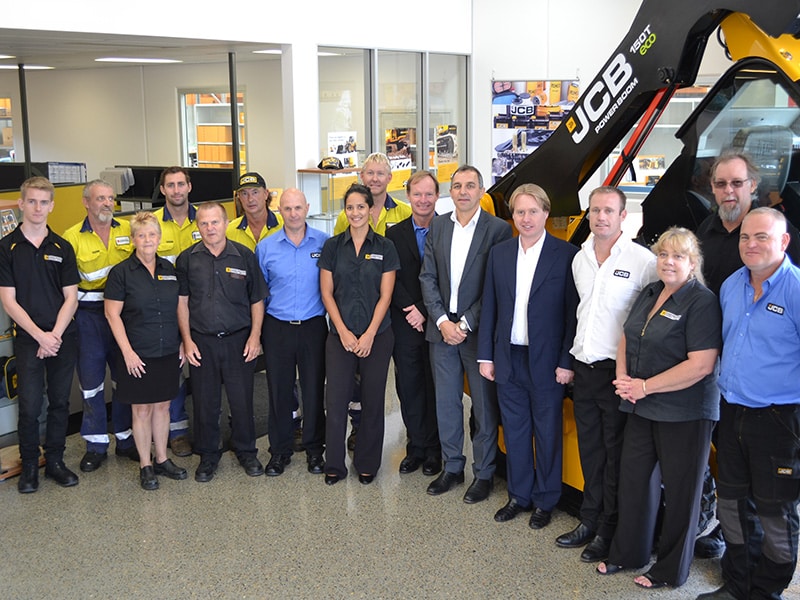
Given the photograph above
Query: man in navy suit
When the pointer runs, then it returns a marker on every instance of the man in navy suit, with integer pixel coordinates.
(452, 284)
(414, 376)
(528, 322)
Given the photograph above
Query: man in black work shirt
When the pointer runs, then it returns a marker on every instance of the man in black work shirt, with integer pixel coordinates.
(39, 291)
(220, 311)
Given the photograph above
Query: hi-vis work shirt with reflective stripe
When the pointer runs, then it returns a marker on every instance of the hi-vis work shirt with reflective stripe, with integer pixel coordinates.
(176, 238)
(94, 259)
(239, 231)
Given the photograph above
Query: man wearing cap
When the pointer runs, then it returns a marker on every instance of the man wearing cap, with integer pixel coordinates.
(258, 221)
(178, 231)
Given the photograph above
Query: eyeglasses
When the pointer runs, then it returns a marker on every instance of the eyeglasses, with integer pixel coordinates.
(721, 184)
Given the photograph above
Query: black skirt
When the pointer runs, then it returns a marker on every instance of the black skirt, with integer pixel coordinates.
(159, 383)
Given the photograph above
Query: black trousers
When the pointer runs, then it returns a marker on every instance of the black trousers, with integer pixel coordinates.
(758, 486)
(414, 385)
(656, 452)
(32, 372)
(600, 425)
(340, 366)
(290, 349)
(222, 363)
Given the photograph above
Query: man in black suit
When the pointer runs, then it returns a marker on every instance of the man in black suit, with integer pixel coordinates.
(452, 285)
(414, 377)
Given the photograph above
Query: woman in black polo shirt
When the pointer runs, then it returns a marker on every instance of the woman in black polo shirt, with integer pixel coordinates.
(357, 272)
(666, 377)
(141, 301)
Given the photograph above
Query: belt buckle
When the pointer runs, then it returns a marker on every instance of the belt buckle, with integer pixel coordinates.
(295, 322)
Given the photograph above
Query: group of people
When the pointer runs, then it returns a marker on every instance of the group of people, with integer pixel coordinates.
(647, 344)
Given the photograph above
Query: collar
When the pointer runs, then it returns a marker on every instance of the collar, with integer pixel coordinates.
(678, 296)
(472, 221)
(168, 216)
(230, 248)
(390, 202)
(272, 221)
(135, 263)
(347, 237)
(86, 228)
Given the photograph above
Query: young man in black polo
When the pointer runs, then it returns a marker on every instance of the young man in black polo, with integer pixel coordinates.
(39, 291)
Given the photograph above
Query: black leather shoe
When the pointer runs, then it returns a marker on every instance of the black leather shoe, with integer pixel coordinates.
(170, 469)
(722, 593)
(432, 465)
(540, 518)
(711, 545)
(205, 471)
(253, 467)
(444, 482)
(316, 464)
(91, 461)
(147, 478)
(410, 464)
(580, 536)
(331, 479)
(478, 491)
(597, 550)
(365, 479)
(277, 464)
(28, 479)
(509, 511)
(132, 453)
(59, 473)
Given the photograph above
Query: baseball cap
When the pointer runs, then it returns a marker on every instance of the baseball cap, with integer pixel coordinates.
(251, 180)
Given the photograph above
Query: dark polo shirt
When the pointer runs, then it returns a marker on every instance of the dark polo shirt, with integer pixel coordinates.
(220, 288)
(150, 305)
(38, 275)
(357, 278)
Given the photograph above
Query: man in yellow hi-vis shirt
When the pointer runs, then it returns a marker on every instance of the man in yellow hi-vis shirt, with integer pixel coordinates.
(100, 242)
(258, 221)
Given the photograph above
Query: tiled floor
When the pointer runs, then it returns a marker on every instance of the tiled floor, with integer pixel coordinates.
(288, 537)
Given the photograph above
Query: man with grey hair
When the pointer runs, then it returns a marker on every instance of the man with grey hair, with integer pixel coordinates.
(100, 241)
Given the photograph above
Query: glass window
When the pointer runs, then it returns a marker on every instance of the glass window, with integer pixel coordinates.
(447, 115)
(207, 133)
(6, 131)
(398, 88)
(342, 105)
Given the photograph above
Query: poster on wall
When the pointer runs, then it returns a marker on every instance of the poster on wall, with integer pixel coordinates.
(524, 115)
(343, 145)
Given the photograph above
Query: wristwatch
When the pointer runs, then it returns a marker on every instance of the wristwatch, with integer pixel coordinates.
(462, 325)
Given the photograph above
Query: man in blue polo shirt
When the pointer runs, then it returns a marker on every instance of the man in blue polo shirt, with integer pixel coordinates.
(294, 333)
(758, 478)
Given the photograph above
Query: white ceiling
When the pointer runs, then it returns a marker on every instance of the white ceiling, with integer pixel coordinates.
(68, 50)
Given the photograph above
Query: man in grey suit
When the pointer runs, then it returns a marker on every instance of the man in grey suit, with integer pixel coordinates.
(452, 274)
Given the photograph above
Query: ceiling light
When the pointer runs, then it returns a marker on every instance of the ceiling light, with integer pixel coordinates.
(152, 61)
(323, 53)
(4, 56)
(26, 67)
(270, 51)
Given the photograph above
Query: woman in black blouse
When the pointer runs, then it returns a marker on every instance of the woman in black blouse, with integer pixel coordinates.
(141, 301)
(666, 378)
(357, 272)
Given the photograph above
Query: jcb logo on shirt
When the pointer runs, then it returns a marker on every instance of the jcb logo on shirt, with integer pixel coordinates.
(373, 257)
(122, 240)
(195, 236)
(316, 254)
(53, 258)
(774, 308)
(167, 278)
(623, 274)
(236, 273)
